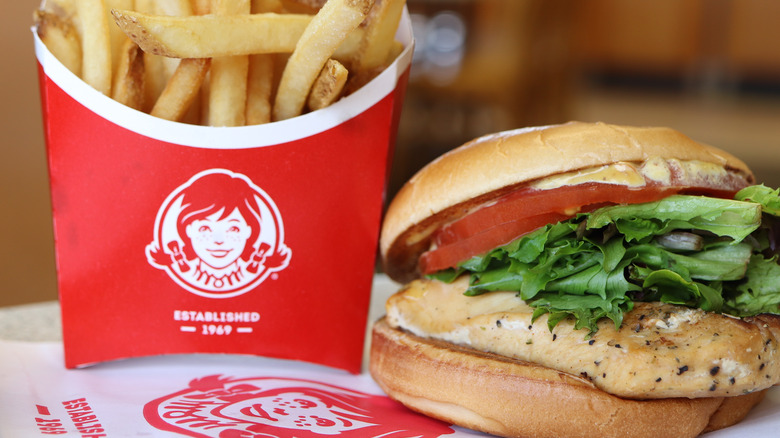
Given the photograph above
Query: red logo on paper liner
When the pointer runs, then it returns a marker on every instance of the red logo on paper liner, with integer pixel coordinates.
(218, 235)
(274, 407)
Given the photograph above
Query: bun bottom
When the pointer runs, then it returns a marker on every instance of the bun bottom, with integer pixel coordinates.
(512, 398)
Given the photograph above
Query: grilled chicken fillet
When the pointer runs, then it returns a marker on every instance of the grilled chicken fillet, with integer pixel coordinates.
(660, 350)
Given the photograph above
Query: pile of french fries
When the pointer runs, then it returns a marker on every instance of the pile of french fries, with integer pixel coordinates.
(223, 62)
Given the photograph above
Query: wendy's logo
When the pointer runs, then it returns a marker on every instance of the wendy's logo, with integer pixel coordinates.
(277, 407)
(218, 235)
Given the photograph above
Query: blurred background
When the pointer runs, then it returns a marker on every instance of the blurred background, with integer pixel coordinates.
(709, 68)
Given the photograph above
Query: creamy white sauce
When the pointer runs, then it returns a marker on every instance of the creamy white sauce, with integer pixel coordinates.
(618, 173)
(655, 169)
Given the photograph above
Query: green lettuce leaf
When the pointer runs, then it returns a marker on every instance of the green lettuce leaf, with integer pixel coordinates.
(722, 217)
(768, 199)
(596, 265)
(760, 290)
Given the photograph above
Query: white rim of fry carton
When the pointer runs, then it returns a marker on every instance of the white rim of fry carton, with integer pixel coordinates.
(240, 137)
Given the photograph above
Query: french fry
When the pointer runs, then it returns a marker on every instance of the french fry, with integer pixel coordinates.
(181, 90)
(395, 51)
(144, 6)
(155, 78)
(297, 7)
(204, 100)
(60, 37)
(194, 115)
(379, 34)
(176, 8)
(259, 89)
(314, 4)
(128, 88)
(116, 36)
(199, 108)
(227, 94)
(328, 86)
(327, 30)
(212, 36)
(65, 9)
(155, 75)
(378, 49)
(260, 82)
(263, 6)
(95, 44)
(201, 7)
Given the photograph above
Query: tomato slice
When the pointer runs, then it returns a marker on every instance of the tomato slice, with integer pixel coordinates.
(527, 209)
(529, 202)
(450, 255)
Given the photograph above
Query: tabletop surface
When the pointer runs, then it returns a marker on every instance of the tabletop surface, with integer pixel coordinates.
(37, 322)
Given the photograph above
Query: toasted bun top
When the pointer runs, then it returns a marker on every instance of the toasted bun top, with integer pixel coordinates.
(489, 166)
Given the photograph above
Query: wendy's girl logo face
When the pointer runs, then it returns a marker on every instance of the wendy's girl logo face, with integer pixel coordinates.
(218, 235)
(268, 407)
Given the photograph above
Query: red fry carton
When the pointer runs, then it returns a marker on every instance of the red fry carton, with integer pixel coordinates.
(175, 238)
